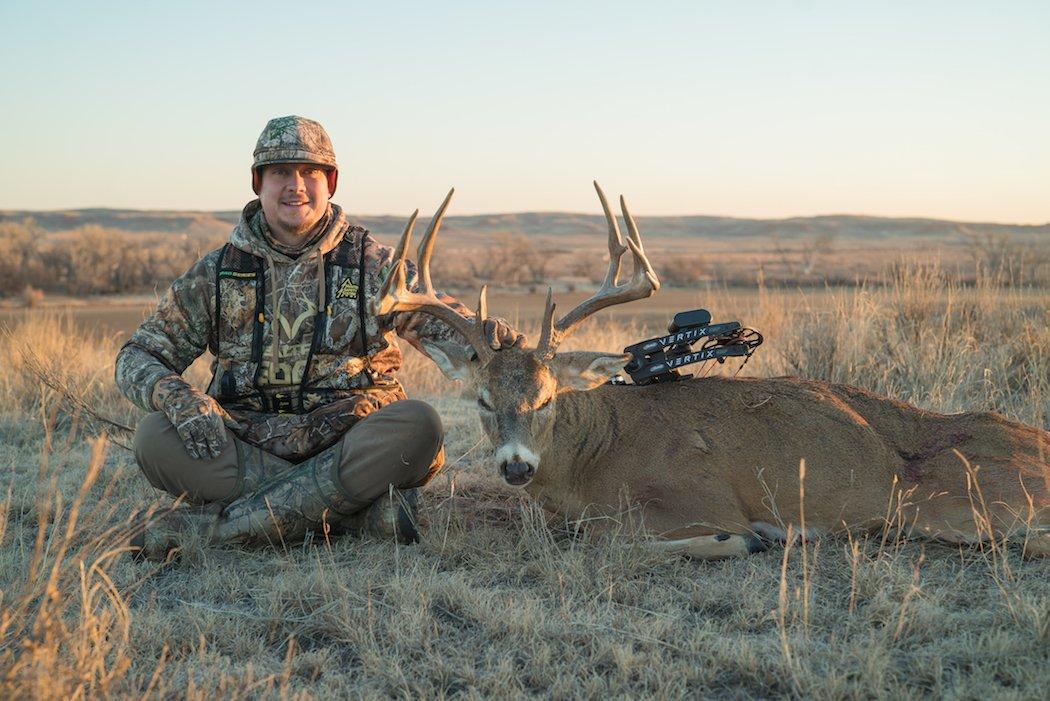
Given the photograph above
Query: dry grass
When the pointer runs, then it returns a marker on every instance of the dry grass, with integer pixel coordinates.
(501, 600)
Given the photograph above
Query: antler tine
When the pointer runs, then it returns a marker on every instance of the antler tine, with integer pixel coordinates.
(643, 283)
(396, 297)
(481, 314)
(642, 266)
(394, 286)
(483, 305)
(401, 252)
(616, 246)
(426, 246)
(547, 327)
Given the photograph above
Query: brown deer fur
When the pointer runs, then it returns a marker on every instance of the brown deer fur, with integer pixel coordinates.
(713, 455)
(714, 463)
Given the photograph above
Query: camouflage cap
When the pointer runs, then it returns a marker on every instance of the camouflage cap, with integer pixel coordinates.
(294, 139)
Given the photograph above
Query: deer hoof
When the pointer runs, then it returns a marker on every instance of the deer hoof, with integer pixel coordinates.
(755, 544)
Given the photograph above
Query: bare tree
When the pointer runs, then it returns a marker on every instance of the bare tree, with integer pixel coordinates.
(803, 261)
(19, 255)
(684, 270)
(1010, 262)
(511, 259)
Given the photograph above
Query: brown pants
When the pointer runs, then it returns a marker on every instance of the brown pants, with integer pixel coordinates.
(396, 445)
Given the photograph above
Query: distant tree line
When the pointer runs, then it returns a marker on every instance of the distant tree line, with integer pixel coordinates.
(94, 260)
(90, 260)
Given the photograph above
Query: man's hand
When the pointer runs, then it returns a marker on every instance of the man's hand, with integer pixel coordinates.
(197, 417)
(501, 334)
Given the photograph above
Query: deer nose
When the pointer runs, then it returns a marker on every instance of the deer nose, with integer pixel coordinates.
(517, 473)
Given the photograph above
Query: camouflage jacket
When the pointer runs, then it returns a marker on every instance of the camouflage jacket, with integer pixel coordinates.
(294, 365)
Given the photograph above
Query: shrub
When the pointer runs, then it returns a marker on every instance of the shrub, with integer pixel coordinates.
(31, 296)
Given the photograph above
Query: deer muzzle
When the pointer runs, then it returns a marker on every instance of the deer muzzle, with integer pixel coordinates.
(517, 473)
(517, 463)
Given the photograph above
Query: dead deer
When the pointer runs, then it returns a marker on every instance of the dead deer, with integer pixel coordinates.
(714, 463)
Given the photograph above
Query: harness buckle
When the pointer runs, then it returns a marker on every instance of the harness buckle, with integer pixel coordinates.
(282, 403)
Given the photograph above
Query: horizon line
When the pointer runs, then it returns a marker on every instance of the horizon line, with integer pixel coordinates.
(553, 212)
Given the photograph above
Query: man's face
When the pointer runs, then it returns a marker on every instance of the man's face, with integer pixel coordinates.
(294, 198)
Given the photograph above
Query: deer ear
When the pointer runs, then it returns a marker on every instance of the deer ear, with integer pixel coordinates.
(583, 370)
(452, 359)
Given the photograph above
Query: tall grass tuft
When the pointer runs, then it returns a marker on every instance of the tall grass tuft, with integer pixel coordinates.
(64, 625)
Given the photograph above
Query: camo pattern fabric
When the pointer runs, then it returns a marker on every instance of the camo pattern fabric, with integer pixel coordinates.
(305, 498)
(293, 139)
(197, 418)
(288, 402)
(297, 436)
(299, 500)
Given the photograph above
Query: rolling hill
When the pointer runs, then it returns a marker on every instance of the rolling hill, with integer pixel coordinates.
(841, 226)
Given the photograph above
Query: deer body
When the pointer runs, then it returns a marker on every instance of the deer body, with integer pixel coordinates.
(717, 455)
(714, 463)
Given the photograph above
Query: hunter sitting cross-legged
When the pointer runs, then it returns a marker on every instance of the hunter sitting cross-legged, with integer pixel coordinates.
(304, 425)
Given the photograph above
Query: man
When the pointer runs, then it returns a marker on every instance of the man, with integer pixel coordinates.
(304, 426)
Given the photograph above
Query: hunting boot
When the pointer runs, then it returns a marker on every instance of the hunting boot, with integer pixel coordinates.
(165, 532)
(278, 502)
(392, 516)
(161, 536)
(282, 510)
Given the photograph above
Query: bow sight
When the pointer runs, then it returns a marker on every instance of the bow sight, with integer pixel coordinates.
(658, 359)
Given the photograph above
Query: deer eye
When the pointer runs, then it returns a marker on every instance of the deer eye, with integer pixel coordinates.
(484, 405)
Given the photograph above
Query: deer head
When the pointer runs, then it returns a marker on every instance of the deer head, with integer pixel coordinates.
(517, 388)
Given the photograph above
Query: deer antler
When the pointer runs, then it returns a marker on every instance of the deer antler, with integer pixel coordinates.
(642, 284)
(396, 297)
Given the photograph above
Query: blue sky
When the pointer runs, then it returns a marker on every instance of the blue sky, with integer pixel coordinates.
(763, 109)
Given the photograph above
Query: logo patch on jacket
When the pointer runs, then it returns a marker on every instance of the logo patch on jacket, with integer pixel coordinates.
(347, 290)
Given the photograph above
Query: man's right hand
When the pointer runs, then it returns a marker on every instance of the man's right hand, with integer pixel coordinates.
(197, 417)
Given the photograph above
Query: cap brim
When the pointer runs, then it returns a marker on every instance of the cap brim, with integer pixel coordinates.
(292, 155)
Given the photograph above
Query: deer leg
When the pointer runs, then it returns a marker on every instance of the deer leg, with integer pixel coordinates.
(713, 547)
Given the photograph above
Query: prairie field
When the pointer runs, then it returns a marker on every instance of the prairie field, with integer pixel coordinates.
(500, 599)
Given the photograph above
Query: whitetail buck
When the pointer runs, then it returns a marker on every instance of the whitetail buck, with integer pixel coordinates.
(714, 462)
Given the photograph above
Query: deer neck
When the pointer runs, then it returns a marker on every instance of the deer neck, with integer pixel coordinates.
(584, 429)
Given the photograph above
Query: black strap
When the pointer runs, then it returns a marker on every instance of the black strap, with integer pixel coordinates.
(257, 330)
(218, 319)
(218, 298)
(362, 292)
(315, 339)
